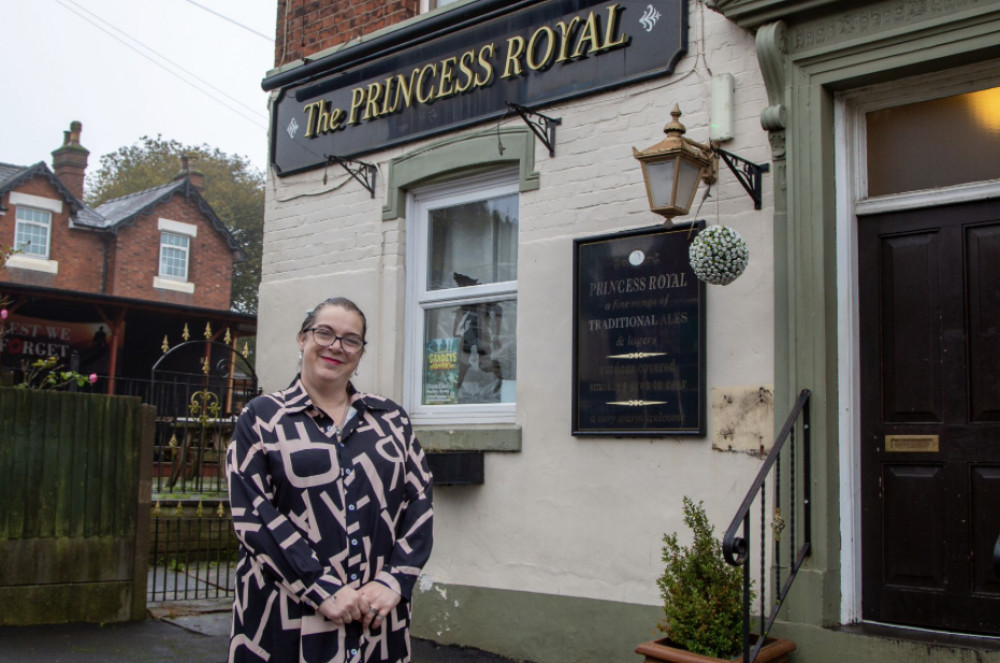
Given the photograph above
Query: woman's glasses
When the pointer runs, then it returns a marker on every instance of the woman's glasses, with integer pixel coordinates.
(349, 343)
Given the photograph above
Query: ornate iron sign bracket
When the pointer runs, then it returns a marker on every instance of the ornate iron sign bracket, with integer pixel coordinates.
(361, 171)
(747, 172)
(544, 128)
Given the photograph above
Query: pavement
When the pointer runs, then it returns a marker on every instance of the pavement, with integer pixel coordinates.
(188, 631)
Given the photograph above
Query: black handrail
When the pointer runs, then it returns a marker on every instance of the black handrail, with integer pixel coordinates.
(736, 549)
(996, 557)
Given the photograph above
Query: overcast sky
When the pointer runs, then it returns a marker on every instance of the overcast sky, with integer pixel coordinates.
(118, 66)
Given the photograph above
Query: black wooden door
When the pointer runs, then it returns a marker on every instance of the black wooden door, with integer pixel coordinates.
(930, 416)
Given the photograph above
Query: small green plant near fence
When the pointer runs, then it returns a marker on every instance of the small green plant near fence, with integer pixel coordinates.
(48, 373)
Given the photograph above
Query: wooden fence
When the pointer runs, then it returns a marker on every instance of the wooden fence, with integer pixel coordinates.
(75, 489)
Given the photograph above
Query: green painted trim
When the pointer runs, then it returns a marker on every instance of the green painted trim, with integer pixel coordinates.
(546, 628)
(526, 626)
(464, 154)
(752, 13)
(469, 438)
(821, 645)
(802, 72)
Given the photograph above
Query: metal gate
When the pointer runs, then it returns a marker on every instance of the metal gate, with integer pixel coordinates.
(192, 544)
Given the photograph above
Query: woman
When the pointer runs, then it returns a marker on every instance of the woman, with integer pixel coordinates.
(331, 500)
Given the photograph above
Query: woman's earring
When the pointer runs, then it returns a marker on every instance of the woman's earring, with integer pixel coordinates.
(300, 355)
(357, 369)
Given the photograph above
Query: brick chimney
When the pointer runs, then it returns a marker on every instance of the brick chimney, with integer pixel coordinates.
(196, 177)
(70, 161)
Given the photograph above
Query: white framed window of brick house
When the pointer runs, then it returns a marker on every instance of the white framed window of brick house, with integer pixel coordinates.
(33, 232)
(461, 350)
(175, 255)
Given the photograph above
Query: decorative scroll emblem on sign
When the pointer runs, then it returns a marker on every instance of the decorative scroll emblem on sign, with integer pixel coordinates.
(650, 18)
(292, 129)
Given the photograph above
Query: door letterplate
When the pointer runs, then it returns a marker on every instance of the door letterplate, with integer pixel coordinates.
(912, 443)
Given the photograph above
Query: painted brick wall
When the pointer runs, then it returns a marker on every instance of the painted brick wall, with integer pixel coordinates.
(78, 252)
(306, 27)
(328, 238)
(136, 259)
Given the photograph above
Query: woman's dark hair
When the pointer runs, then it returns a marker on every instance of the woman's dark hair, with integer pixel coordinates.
(342, 302)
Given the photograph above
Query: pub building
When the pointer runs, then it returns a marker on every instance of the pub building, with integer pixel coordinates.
(468, 174)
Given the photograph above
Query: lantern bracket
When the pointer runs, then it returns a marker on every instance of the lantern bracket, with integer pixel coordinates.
(359, 170)
(544, 129)
(747, 172)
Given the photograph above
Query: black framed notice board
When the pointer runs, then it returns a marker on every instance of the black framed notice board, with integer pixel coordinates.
(638, 335)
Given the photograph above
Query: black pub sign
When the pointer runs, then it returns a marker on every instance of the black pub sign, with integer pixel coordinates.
(463, 67)
(638, 335)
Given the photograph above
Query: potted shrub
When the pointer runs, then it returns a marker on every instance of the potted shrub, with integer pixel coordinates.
(702, 602)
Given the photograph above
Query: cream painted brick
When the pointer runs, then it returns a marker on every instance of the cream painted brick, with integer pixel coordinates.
(592, 186)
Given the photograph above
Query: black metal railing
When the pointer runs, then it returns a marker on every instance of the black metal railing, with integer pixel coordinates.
(996, 557)
(192, 551)
(736, 542)
(195, 416)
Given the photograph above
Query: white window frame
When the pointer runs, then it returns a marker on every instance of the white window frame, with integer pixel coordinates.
(28, 250)
(419, 299)
(168, 282)
(29, 261)
(186, 250)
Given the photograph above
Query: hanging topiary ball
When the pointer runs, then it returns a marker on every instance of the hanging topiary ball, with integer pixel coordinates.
(718, 255)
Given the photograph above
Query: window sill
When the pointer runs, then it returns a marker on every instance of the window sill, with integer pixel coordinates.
(33, 264)
(469, 438)
(178, 286)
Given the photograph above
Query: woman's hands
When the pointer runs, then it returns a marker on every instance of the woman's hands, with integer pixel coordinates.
(381, 600)
(370, 605)
(344, 607)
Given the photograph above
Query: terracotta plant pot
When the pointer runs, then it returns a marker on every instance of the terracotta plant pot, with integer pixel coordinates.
(775, 650)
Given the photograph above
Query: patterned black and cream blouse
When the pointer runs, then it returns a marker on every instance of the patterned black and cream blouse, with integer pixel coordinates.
(316, 509)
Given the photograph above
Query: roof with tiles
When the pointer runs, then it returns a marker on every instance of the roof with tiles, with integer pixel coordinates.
(119, 212)
(126, 210)
(9, 170)
(12, 176)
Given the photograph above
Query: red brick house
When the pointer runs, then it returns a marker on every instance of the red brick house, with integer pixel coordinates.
(120, 277)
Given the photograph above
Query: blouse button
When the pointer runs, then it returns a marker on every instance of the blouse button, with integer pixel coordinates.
(354, 576)
(354, 542)
(350, 507)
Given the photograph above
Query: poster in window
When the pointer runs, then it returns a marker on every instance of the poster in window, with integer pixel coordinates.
(638, 335)
(441, 371)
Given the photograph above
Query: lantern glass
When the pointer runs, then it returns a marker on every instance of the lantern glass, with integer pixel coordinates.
(660, 180)
(688, 177)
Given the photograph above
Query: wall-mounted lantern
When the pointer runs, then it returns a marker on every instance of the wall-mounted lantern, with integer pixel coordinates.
(673, 168)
